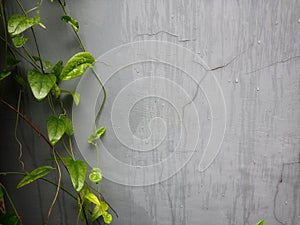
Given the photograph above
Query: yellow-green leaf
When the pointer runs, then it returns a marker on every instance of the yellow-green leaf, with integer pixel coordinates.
(76, 97)
(92, 198)
(34, 175)
(95, 175)
(74, 23)
(19, 41)
(19, 23)
(107, 217)
(261, 222)
(77, 65)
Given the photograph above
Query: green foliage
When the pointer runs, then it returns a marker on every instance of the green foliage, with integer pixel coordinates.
(56, 128)
(44, 81)
(107, 217)
(96, 135)
(19, 41)
(19, 23)
(92, 198)
(55, 91)
(77, 170)
(8, 219)
(34, 175)
(4, 74)
(74, 23)
(261, 222)
(40, 83)
(69, 129)
(77, 65)
(95, 175)
(76, 97)
(56, 70)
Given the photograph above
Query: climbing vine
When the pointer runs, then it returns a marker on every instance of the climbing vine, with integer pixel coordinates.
(44, 80)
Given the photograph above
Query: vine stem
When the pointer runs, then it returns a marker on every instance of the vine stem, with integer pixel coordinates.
(34, 128)
(12, 48)
(34, 37)
(57, 189)
(76, 33)
(11, 203)
(15, 133)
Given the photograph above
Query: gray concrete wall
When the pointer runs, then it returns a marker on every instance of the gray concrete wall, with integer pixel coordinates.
(202, 115)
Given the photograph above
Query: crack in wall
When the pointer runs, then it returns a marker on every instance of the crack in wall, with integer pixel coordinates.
(277, 188)
(273, 64)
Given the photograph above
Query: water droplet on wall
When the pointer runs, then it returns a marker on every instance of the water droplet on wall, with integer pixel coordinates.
(257, 88)
(299, 21)
(236, 80)
(258, 42)
(276, 22)
(286, 202)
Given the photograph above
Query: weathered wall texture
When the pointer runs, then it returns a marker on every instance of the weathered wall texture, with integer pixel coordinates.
(227, 112)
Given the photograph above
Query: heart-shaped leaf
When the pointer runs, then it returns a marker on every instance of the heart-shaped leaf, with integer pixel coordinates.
(34, 175)
(19, 23)
(55, 91)
(68, 124)
(19, 41)
(56, 70)
(74, 23)
(40, 83)
(96, 135)
(95, 175)
(99, 210)
(56, 128)
(77, 170)
(77, 65)
(107, 217)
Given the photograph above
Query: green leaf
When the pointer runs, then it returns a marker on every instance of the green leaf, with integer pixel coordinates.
(56, 70)
(92, 198)
(107, 217)
(96, 135)
(86, 204)
(77, 170)
(9, 219)
(68, 124)
(4, 74)
(99, 210)
(260, 222)
(76, 97)
(19, 41)
(56, 128)
(77, 65)
(19, 23)
(34, 175)
(74, 23)
(55, 91)
(95, 175)
(40, 83)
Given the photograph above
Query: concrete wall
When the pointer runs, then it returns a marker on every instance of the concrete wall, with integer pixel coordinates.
(202, 112)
